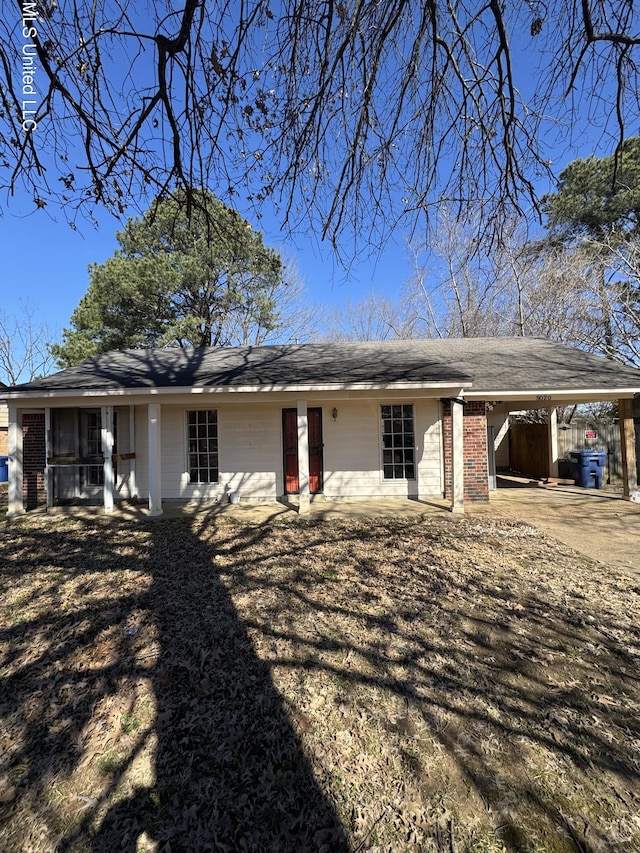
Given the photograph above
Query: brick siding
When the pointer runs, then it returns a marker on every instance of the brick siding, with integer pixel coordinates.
(33, 450)
(476, 463)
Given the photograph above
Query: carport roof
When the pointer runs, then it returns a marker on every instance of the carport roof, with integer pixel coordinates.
(491, 365)
(525, 364)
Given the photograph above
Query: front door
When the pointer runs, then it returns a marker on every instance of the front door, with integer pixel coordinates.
(290, 450)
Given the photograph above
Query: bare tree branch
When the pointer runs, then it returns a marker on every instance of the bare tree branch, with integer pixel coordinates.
(348, 117)
(24, 347)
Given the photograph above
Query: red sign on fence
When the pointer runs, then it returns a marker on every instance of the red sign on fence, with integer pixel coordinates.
(590, 434)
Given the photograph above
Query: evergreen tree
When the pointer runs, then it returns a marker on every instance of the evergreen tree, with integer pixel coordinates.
(180, 277)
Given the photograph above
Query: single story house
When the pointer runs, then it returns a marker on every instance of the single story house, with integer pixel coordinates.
(398, 419)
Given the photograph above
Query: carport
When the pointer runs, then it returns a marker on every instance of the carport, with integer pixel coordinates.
(499, 411)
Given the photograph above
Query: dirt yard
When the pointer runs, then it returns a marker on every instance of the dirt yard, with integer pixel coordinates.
(431, 684)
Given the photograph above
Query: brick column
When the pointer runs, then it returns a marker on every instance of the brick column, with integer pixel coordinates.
(476, 455)
(476, 460)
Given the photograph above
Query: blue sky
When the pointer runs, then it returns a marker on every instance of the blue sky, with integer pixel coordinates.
(45, 261)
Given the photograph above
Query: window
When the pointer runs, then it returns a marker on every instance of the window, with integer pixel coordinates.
(398, 442)
(203, 445)
(90, 431)
(91, 446)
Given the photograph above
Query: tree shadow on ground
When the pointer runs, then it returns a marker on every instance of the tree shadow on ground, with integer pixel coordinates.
(159, 687)
(207, 685)
(525, 680)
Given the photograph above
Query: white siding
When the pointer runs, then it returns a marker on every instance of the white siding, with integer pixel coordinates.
(123, 467)
(431, 457)
(142, 451)
(353, 453)
(250, 450)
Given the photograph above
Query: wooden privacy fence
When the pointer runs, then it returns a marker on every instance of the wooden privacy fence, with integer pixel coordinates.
(529, 447)
(607, 438)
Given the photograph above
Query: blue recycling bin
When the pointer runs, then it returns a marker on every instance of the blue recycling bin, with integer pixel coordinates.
(587, 467)
(4, 469)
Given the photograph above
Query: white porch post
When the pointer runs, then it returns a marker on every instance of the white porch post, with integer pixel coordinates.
(48, 453)
(303, 458)
(133, 488)
(457, 456)
(552, 432)
(106, 419)
(16, 499)
(628, 443)
(155, 460)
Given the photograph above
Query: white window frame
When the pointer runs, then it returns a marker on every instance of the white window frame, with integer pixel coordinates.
(401, 447)
(199, 451)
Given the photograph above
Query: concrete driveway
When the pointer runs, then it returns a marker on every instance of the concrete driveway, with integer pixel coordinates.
(599, 524)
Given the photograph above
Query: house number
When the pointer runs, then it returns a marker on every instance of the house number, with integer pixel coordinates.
(543, 397)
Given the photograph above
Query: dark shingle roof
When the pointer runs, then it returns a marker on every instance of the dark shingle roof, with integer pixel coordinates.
(266, 366)
(490, 364)
(517, 364)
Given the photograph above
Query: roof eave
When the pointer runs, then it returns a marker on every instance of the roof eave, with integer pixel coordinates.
(555, 394)
(63, 393)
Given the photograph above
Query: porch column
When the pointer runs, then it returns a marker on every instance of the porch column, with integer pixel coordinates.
(155, 460)
(457, 456)
(628, 444)
(133, 488)
(16, 497)
(552, 432)
(48, 453)
(303, 458)
(106, 415)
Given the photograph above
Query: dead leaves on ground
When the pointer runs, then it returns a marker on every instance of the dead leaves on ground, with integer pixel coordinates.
(388, 684)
